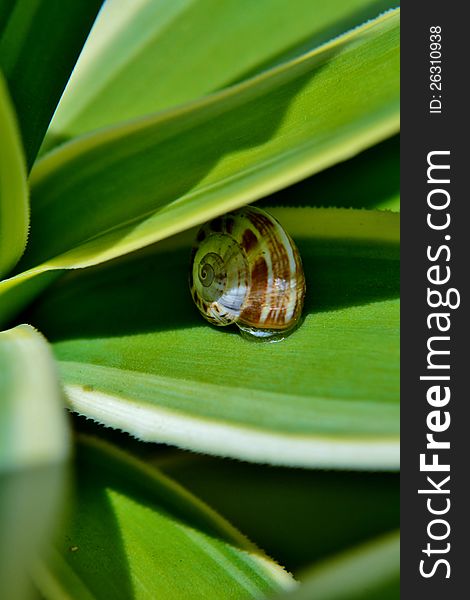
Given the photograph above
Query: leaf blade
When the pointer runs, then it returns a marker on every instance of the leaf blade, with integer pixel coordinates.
(312, 509)
(34, 448)
(141, 359)
(164, 541)
(136, 62)
(143, 195)
(14, 203)
(367, 571)
(204, 120)
(38, 49)
(343, 185)
(33, 425)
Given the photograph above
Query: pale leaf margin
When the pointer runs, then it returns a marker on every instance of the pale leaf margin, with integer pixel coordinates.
(153, 424)
(128, 44)
(34, 448)
(222, 439)
(33, 424)
(358, 573)
(56, 579)
(179, 217)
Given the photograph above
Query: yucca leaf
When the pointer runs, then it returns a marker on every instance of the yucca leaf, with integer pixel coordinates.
(33, 449)
(33, 428)
(367, 572)
(124, 188)
(135, 354)
(39, 44)
(316, 514)
(6, 6)
(143, 57)
(369, 180)
(136, 534)
(14, 205)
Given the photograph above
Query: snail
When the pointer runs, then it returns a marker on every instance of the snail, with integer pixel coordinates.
(245, 269)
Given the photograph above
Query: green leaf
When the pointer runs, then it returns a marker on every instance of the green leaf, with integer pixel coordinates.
(39, 46)
(143, 57)
(31, 504)
(135, 354)
(368, 572)
(369, 180)
(33, 427)
(6, 6)
(34, 445)
(122, 189)
(312, 510)
(13, 298)
(14, 206)
(150, 538)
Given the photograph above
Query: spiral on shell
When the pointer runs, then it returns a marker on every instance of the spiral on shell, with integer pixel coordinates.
(246, 269)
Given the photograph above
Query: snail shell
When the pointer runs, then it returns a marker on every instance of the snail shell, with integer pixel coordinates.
(245, 269)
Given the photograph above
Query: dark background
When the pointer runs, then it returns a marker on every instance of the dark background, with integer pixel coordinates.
(421, 133)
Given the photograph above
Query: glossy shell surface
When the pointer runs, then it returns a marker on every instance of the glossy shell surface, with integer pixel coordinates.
(246, 269)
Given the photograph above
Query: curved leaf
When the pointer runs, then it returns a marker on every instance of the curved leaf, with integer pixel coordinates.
(33, 428)
(14, 205)
(135, 354)
(150, 538)
(34, 444)
(136, 60)
(5, 10)
(367, 572)
(122, 189)
(369, 180)
(39, 45)
(31, 504)
(311, 509)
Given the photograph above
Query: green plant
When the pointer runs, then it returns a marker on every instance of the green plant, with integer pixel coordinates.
(178, 112)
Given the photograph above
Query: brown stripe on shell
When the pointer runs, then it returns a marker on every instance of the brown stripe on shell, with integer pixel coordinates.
(249, 240)
(299, 290)
(300, 295)
(272, 317)
(276, 319)
(278, 303)
(261, 237)
(251, 314)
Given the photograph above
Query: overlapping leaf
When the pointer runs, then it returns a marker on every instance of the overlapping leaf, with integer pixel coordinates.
(367, 572)
(125, 188)
(143, 57)
(369, 180)
(33, 429)
(150, 539)
(33, 449)
(316, 513)
(39, 43)
(14, 205)
(132, 350)
(134, 353)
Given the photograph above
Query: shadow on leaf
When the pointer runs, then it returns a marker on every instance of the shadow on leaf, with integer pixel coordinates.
(148, 291)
